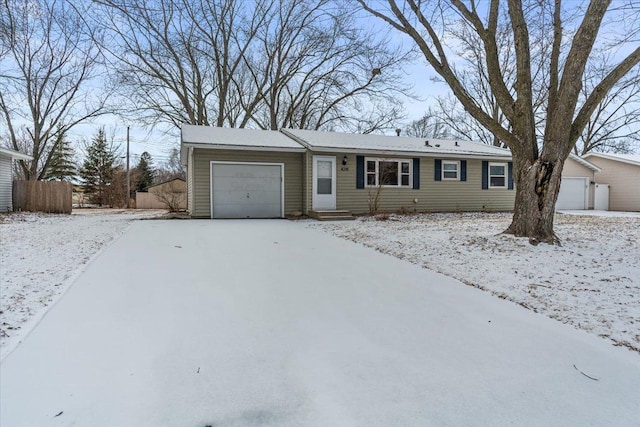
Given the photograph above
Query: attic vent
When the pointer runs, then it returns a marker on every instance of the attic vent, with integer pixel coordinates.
(426, 144)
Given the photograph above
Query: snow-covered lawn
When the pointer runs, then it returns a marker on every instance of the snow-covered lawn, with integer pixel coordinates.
(591, 282)
(41, 254)
(271, 323)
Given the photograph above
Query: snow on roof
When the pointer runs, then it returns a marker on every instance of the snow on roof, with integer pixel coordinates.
(633, 159)
(235, 138)
(332, 141)
(15, 154)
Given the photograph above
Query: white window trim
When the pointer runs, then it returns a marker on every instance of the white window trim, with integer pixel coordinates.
(450, 162)
(377, 172)
(506, 174)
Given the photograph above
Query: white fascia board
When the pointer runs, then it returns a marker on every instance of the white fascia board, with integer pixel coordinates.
(585, 163)
(183, 154)
(15, 154)
(441, 155)
(614, 158)
(244, 147)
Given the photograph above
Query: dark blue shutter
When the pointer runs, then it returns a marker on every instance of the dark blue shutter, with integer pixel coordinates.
(416, 173)
(359, 172)
(510, 176)
(463, 170)
(485, 175)
(438, 170)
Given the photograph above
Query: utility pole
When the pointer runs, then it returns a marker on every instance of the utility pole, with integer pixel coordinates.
(128, 174)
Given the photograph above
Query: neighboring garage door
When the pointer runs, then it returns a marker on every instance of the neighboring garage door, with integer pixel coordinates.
(573, 194)
(246, 190)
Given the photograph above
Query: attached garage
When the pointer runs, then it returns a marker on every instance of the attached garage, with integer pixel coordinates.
(247, 190)
(577, 185)
(574, 193)
(242, 173)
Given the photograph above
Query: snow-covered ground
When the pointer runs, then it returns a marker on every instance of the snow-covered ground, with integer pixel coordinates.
(609, 214)
(40, 256)
(591, 282)
(271, 323)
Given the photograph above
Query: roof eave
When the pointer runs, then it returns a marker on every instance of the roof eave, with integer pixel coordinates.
(243, 147)
(15, 154)
(410, 153)
(585, 163)
(614, 158)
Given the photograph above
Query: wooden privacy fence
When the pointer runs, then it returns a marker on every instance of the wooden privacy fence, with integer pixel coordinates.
(42, 196)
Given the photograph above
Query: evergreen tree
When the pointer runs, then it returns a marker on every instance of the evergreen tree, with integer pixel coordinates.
(62, 166)
(98, 168)
(146, 173)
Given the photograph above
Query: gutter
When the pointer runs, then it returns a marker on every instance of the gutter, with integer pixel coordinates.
(410, 153)
(244, 147)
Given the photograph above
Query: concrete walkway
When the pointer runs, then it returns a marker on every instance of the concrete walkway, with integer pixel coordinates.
(243, 323)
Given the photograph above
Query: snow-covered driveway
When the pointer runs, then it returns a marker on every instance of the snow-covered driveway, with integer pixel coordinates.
(235, 323)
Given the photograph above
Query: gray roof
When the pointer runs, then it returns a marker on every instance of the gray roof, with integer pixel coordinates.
(383, 144)
(235, 138)
(296, 140)
(633, 159)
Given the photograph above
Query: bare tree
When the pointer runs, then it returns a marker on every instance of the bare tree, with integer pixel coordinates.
(323, 71)
(48, 65)
(179, 58)
(172, 168)
(6, 31)
(300, 64)
(172, 195)
(613, 126)
(386, 173)
(537, 168)
(429, 126)
(474, 76)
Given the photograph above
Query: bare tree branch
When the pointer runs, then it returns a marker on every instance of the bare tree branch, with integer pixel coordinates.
(551, 118)
(45, 86)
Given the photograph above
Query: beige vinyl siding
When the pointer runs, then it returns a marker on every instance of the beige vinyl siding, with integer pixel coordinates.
(307, 189)
(624, 183)
(190, 181)
(202, 158)
(573, 169)
(432, 195)
(5, 184)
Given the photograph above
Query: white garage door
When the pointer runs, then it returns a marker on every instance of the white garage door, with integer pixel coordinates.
(573, 194)
(245, 190)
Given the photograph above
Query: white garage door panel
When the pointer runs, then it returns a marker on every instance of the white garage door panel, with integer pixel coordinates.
(246, 191)
(573, 194)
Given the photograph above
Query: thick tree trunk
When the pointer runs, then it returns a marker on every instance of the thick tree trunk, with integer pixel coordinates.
(537, 186)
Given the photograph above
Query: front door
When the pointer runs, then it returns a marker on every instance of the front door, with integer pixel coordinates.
(324, 183)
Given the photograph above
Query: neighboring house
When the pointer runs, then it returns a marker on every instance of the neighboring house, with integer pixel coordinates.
(6, 176)
(245, 173)
(578, 186)
(622, 173)
(168, 194)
